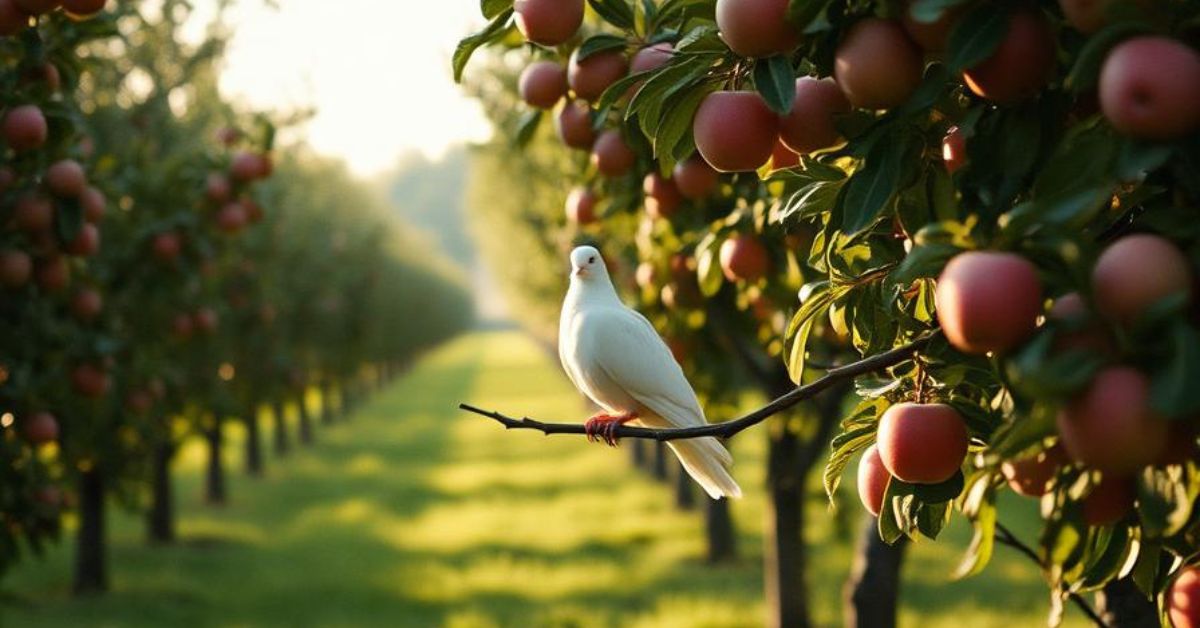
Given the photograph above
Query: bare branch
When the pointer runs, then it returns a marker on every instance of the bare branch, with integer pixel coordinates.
(727, 429)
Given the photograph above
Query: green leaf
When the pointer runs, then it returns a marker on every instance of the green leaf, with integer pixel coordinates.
(496, 29)
(976, 36)
(708, 271)
(979, 552)
(492, 8)
(892, 520)
(811, 200)
(1040, 372)
(776, 82)
(933, 493)
(931, 518)
(930, 11)
(870, 189)
(1135, 159)
(675, 127)
(527, 126)
(615, 12)
(599, 43)
(1174, 391)
(845, 446)
(68, 219)
(801, 13)
(672, 9)
(936, 79)
(1106, 557)
(924, 262)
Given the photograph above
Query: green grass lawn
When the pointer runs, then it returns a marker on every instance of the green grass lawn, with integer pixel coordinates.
(414, 514)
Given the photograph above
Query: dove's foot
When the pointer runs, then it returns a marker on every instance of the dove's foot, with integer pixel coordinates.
(604, 426)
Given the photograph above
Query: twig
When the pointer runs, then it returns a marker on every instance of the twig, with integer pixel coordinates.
(730, 428)
(1006, 537)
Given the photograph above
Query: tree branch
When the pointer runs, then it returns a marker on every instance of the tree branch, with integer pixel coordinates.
(1006, 537)
(727, 429)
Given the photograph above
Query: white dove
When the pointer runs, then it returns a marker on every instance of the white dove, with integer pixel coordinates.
(614, 356)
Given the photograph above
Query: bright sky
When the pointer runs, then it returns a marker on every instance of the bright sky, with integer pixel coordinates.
(377, 72)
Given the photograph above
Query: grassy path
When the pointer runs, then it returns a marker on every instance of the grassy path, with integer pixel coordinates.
(413, 514)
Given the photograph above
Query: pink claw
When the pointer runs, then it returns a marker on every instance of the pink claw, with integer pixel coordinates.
(604, 426)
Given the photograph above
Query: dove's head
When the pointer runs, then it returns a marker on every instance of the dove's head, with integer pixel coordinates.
(587, 265)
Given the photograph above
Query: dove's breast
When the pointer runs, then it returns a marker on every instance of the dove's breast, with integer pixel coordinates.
(579, 347)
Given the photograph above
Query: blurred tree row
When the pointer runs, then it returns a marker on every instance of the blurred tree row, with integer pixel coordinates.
(163, 275)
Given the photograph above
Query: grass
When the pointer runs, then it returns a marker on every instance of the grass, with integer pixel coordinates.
(413, 514)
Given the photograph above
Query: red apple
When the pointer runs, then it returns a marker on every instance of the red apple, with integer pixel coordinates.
(988, 301)
(1109, 501)
(930, 36)
(66, 178)
(922, 443)
(662, 195)
(217, 187)
(86, 304)
(574, 125)
(744, 258)
(1021, 65)
(16, 267)
(40, 427)
(1110, 426)
(1136, 272)
(90, 380)
(33, 212)
(1183, 604)
(809, 126)
(94, 204)
(695, 179)
(873, 479)
(611, 156)
(1087, 16)
(1150, 88)
(548, 22)
(12, 19)
(735, 131)
(24, 128)
(756, 28)
(86, 243)
(166, 246)
(543, 84)
(877, 66)
(581, 206)
(954, 150)
(52, 274)
(590, 77)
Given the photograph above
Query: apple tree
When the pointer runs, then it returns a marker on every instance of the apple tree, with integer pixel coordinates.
(1004, 191)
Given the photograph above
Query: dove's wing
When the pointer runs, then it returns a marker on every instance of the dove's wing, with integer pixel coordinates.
(635, 358)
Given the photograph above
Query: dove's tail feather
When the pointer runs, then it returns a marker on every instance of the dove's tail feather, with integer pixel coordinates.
(706, 460)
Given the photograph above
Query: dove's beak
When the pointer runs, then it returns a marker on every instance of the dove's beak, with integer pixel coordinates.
(580, 272)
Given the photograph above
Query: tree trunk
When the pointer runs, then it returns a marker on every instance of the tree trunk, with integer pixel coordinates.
(214, 479)
(254, 456)
(306, 427)
(327, 403)
(1122, 605)
(160, 518)
(784, 554)
(872, 591)
(659, 467)
(685, 494)
(91, 564)
(718, 529)
(280, 422)
(637, 452)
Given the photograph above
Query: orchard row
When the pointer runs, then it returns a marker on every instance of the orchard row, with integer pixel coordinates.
(165, 270)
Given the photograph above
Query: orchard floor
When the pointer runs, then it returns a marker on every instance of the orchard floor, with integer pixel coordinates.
(414, 514)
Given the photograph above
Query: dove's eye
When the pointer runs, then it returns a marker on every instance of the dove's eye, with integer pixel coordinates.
(592, 260)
